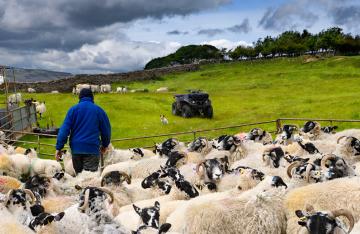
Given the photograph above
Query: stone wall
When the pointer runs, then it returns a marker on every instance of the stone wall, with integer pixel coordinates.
(67, 84)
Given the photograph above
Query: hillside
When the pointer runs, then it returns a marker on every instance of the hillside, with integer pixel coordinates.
(34, 75)
(241, 92)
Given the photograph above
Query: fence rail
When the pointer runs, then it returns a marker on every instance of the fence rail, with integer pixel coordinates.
(278, 125)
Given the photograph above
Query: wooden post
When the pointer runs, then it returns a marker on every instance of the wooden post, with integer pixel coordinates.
(278, 125)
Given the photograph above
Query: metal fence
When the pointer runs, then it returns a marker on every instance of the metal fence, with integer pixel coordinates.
(190, 134)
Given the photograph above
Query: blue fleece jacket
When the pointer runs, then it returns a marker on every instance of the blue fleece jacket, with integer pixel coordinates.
(85, 122)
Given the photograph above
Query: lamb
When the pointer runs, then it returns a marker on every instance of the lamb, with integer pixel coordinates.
(105, 88)
(31, 90)
(14, 98)
(40, 108)
(328, 195)
(312, 221)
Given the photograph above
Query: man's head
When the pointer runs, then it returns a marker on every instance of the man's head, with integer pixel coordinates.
(86, 93)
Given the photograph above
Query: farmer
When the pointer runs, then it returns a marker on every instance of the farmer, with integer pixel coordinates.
(85, 122)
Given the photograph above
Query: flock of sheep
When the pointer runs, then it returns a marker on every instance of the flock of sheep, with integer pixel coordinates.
(303, 181)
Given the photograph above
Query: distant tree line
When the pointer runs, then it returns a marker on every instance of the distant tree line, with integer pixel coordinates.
(289, 43)
(293, 43)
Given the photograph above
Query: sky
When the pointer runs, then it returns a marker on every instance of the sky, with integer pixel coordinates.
(92, 36)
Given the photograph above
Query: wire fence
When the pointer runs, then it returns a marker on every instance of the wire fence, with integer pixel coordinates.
(272, 126)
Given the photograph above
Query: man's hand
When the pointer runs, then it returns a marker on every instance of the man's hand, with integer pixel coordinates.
(58, 155)
(103, 149)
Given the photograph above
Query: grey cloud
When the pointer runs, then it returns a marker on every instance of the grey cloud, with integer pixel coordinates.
(177, 32)
(297, 14)
(289, 15)
(68, 24)
(244, 27)
(210, 32)
(348, 16)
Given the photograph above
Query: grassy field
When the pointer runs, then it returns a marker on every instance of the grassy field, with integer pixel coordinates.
(241, 92)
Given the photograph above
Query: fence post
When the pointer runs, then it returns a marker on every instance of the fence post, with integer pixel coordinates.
(278, 125)
(194, 135)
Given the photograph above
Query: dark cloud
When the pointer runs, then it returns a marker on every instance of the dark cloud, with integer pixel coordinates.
(298, 14)
(177, 32)
(348, 16)
(68, 24)
(244, 27)
(288, 16)
(210, 32)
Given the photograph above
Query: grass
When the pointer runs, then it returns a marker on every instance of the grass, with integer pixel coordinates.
(241, 92)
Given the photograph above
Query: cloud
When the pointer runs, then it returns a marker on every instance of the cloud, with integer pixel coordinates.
(210, 32)
(224, 43)
(244, 27)
(110, 55)
(298, 14)
(68, 24)
(346, 16)
(177, 32)
(288, 16)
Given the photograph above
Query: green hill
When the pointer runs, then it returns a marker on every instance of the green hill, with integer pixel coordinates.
(186, 55)
(241, 92)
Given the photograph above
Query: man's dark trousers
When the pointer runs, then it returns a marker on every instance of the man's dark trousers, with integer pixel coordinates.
(85, 162)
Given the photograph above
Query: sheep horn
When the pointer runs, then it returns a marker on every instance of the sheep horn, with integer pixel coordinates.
(291, 166)
(338, 140)
(7, 196)
(31, 194)
(309, 208)
(307, 172)
(325, 158)
(126, 176)
(111, 195)
(86, 200)
(198, 166)
(347, 214)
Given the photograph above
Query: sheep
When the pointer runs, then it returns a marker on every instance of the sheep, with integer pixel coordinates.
(255, 211)
(288, 134)
(14, 98)
(31, 90)
(6, 166)
(40, 108)
(8, 183)
(312, 221)
(349, 148)
(54, 92)
(259, 135)
(311, 130)
(342, 193)
(121, 89)
(118, 155)
(232, 145)
(95, 88)
(9, 224)
(68, 164)
(162, 90)
(44, 167)
(166, 147)
(79, 87)
(29, 152)
(105, 88)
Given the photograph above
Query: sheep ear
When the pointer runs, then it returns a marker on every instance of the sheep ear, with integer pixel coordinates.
(78, 187)
(164, 228)
(137, 210)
